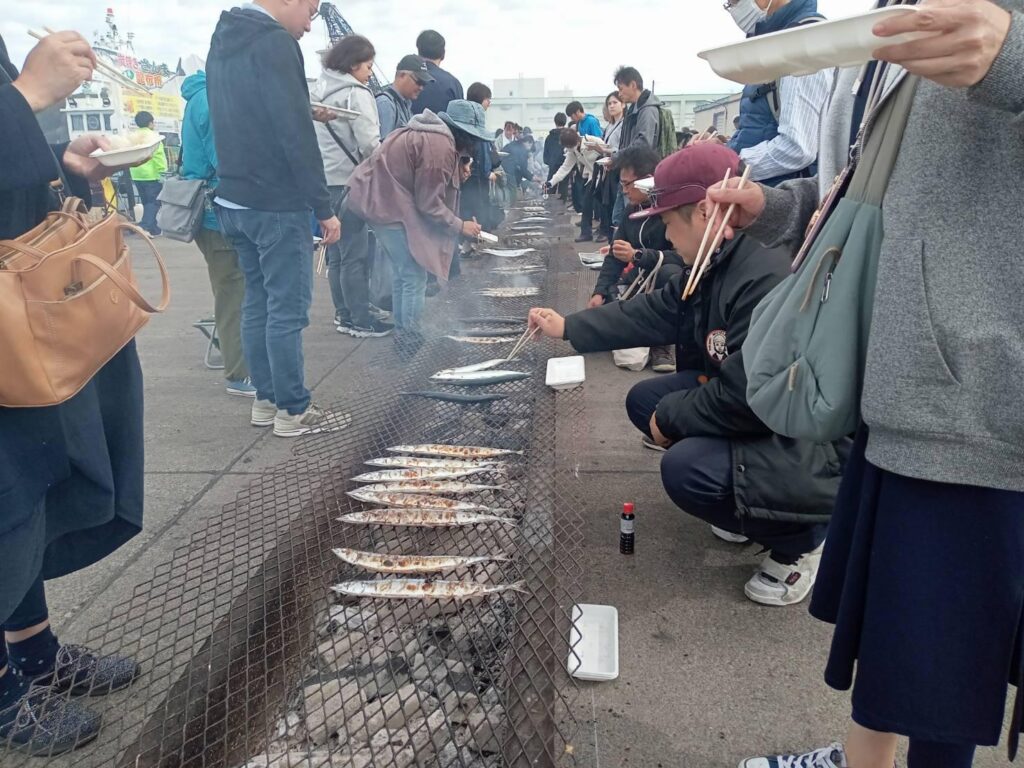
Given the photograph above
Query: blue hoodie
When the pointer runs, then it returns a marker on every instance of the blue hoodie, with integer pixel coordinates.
(198, 153)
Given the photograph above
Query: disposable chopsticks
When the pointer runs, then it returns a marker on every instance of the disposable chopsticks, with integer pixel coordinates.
(523, 340)
(701, 264)
(101, 65)
(704, 243)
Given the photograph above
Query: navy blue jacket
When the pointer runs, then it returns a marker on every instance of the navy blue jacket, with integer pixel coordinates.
(268, 155)
(436, 95)
(757, 121)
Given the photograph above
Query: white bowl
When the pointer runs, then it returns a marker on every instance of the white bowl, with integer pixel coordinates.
(133, 155)
(806, 49)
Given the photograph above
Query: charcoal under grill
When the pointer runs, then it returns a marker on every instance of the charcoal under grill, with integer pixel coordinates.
(250, 660)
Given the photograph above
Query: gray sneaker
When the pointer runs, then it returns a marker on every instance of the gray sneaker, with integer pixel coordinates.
(831, 756)
(263, 413)
(314, 421)
(663, 359)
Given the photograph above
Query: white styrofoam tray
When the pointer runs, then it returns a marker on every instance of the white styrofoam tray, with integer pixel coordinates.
(487, 237)
(805, 49)
(566, 372)
(594, 642)
(340, 112)
(133, 155)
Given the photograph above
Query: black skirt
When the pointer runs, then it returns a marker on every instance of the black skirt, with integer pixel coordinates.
(78, 493)
(924, 582)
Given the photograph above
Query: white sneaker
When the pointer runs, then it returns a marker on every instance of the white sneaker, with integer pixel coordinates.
(831, 756)
(263, 413)
(777, 584)
(729, 536)
(314, 421)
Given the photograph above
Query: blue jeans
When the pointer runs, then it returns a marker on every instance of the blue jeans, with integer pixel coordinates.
(275, 252)
(697, 475)
(409, 279)
(149, 191)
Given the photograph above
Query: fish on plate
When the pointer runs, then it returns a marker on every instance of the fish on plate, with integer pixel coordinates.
(455, 451)
(423, 589)
(422, 518)
(430, 487)
(535, 220)
(480, 339)
(480, 378)
(410, 473)
(372, 561)
(415, 500)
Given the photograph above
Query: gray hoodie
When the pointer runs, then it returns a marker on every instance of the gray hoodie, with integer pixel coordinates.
(360, 136)
(944, 385)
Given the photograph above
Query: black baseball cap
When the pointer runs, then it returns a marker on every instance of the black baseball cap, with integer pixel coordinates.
(417, 66)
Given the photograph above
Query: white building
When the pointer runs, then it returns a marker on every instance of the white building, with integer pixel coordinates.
(531, 105)
(720, 114)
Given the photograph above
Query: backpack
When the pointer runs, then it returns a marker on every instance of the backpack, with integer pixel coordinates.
(667, 143)
(770, 91)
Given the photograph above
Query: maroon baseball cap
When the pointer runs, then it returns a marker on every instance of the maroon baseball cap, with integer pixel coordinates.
(683, 177)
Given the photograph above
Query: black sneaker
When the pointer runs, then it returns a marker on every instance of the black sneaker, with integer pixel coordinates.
(343, 325)
(379, 314)
(375, 330)
(46, 723)
(82, 672)
(584, 239)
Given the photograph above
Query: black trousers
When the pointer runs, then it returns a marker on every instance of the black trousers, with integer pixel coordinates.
(587, 211)
(698, 476)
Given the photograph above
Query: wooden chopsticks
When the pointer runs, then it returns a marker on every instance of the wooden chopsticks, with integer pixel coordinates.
(703, 260)
(101, 65)
(523, 341)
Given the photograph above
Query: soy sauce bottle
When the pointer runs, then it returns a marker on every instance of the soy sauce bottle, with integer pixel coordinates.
(626, 529)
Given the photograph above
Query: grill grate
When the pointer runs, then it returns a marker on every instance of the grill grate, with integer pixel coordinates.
(250, 659)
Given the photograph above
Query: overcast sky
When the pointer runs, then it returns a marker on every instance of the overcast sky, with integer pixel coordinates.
(577, 46)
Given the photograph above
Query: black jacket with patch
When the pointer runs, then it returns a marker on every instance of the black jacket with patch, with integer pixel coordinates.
(775, 477)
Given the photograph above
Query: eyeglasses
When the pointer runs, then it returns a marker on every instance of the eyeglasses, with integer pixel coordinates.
(626, 184)
(316, 12)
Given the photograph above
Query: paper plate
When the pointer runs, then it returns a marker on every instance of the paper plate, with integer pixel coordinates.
(804, 50)
(128, 156)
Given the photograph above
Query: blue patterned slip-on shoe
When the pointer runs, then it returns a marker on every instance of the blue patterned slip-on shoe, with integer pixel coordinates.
(46, 723)
(241, 388)
(84, 673)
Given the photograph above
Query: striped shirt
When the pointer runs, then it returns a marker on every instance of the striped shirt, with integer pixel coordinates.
(803, 100)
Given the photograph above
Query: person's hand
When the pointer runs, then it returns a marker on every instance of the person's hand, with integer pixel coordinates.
(323, 115)
(966, 37)
(55, 68)
(604, 250)
(549, 322)
(750, 202)
(597, 300)
(471, 228)
(76, 158)
(623, 251)
(656, 435)
(330, 229)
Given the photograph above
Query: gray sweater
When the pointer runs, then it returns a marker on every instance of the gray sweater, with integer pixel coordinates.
(944, 385)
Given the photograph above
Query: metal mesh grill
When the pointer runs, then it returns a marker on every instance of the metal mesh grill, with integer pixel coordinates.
(248, 657)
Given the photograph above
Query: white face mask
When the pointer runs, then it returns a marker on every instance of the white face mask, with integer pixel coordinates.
(747, 14)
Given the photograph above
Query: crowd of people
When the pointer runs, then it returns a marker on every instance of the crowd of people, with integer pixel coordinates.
(910, 529)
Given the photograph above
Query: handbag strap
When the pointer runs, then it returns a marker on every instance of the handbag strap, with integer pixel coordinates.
(340, 143)
(121, 282)
(881, 145)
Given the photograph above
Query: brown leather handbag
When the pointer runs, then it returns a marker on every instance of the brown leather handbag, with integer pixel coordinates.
(68, 304)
